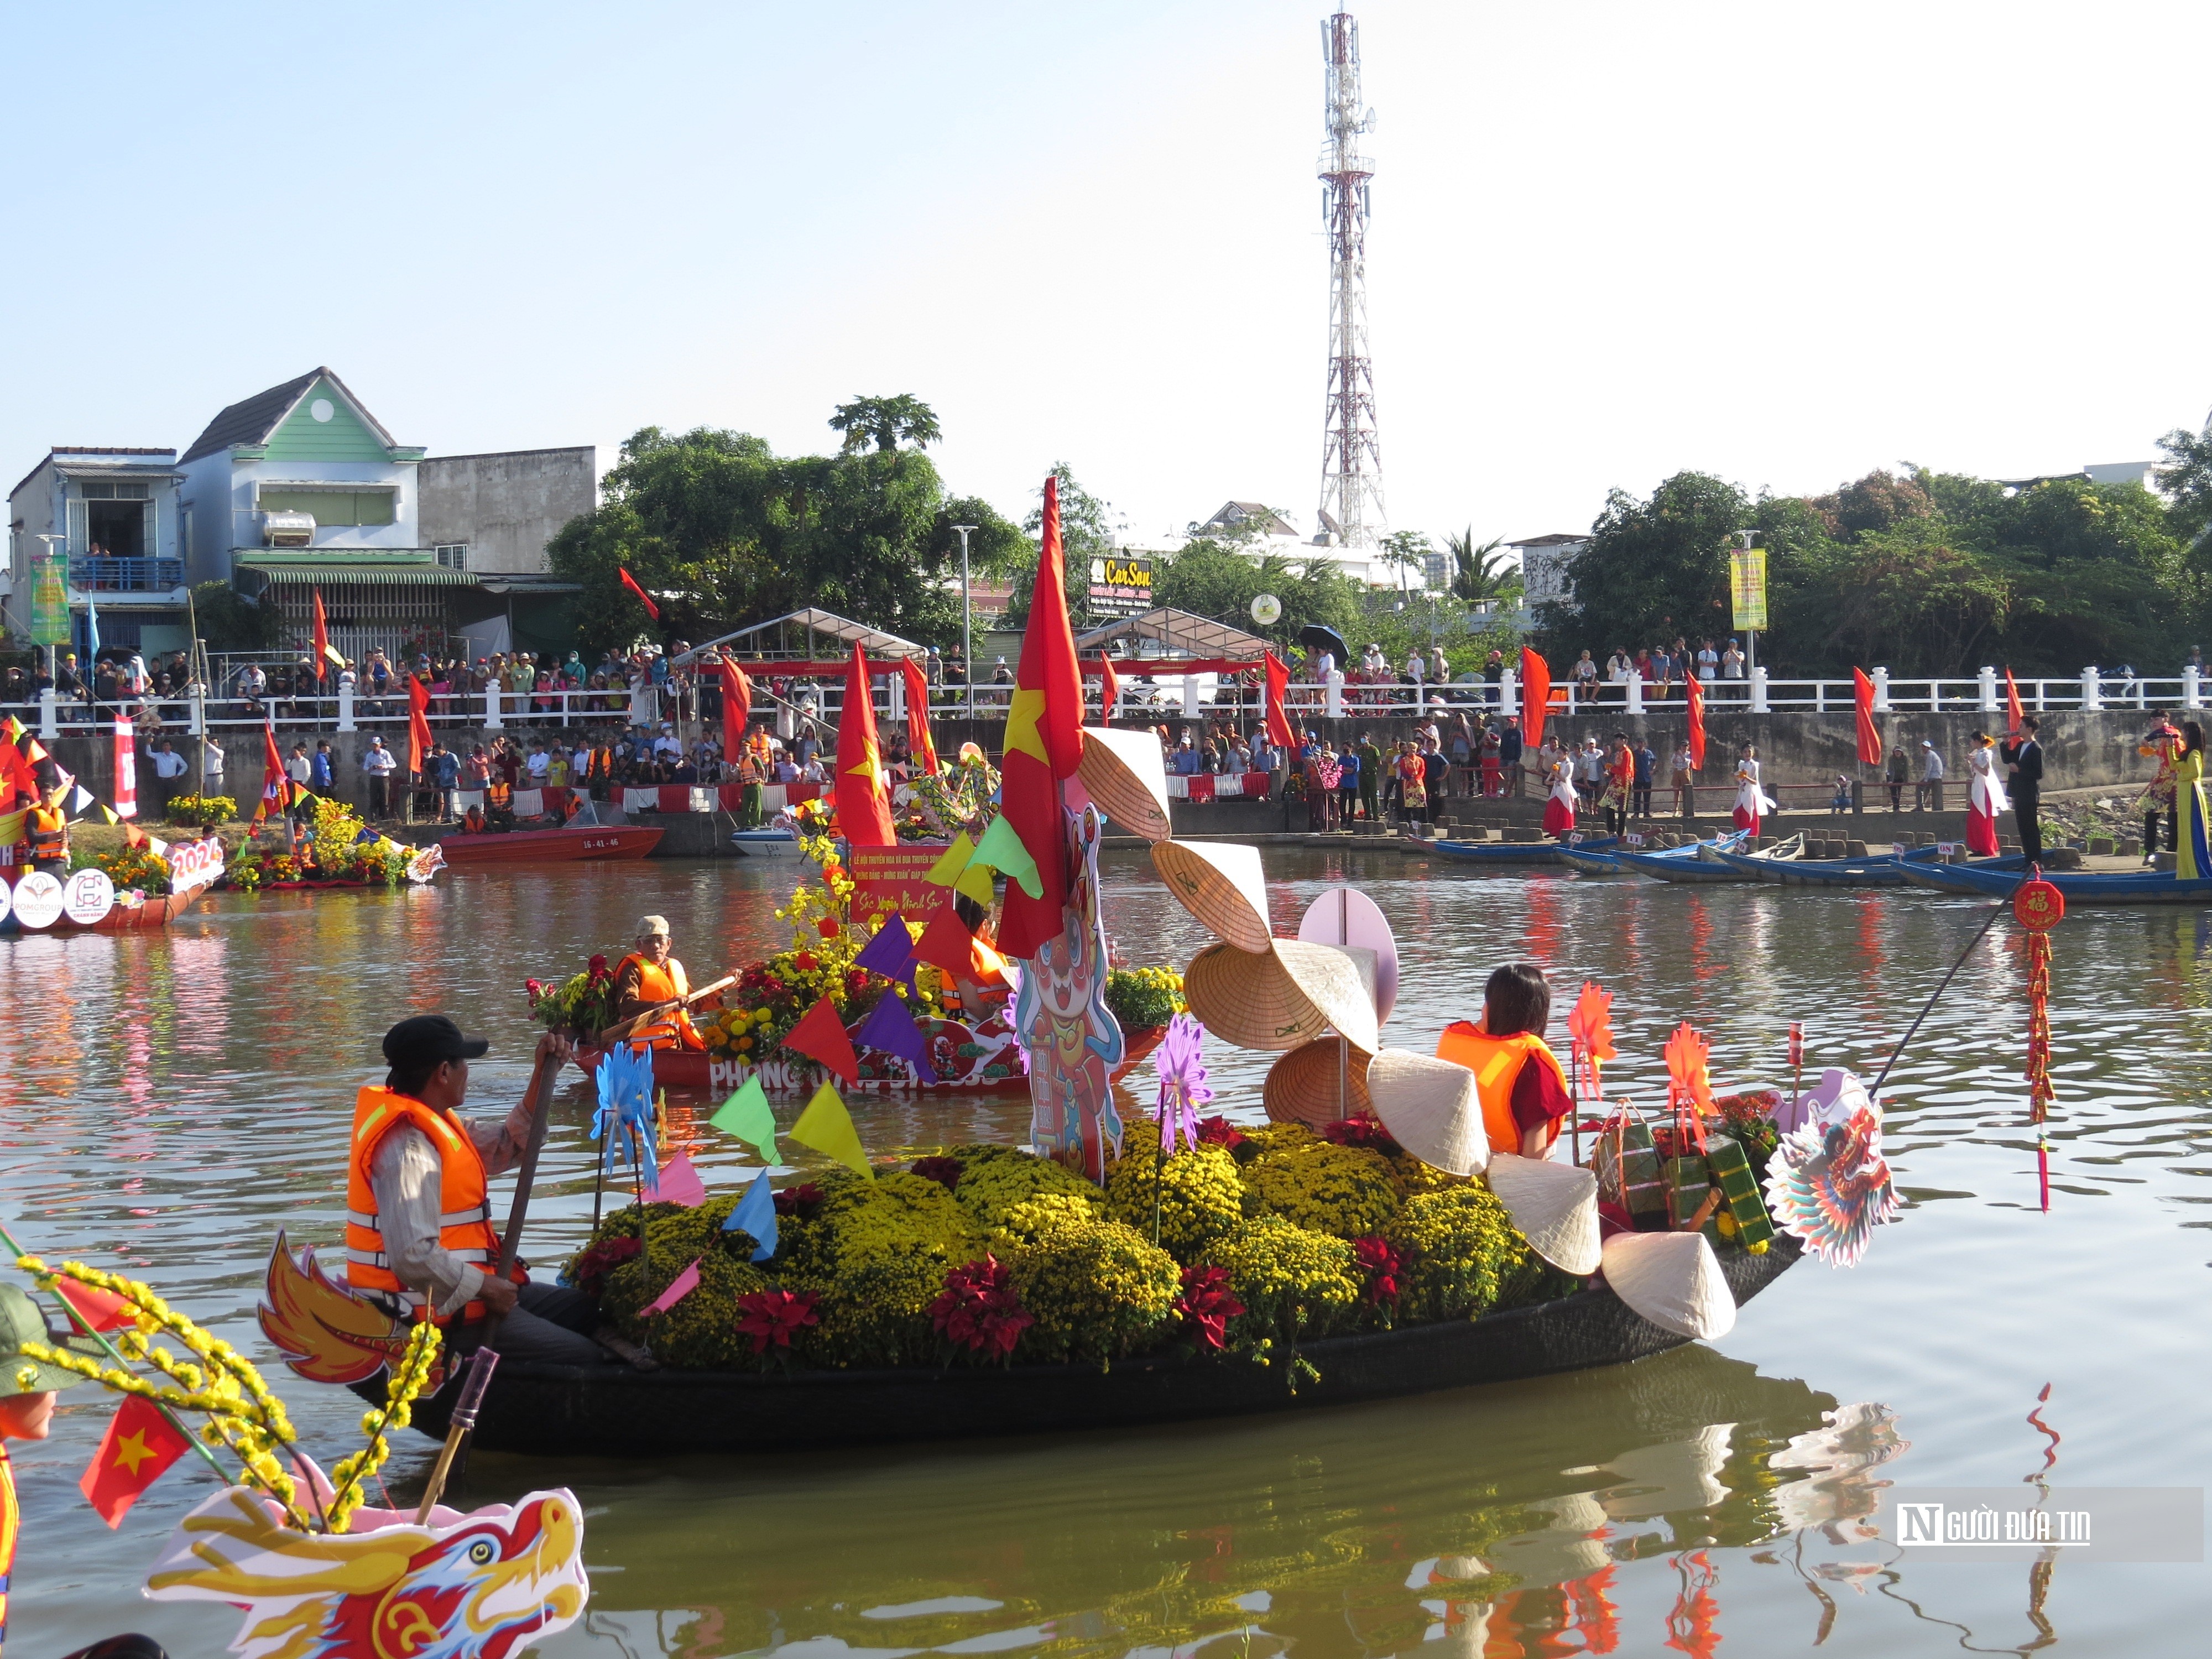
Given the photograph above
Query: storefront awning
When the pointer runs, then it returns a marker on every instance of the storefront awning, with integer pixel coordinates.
(404, 569)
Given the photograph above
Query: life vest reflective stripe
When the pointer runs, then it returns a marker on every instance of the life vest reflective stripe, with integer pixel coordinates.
(1497, 1063)
(464, 1228)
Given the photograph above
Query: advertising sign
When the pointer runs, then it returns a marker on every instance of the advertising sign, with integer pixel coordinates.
(897, 878)
(37, 901)
(1748, 588)
(87, 896)
(50, 616)
(1120, 586)
(193, 863)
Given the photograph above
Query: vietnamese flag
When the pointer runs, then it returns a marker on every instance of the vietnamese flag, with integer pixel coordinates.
(1278, 722)
(643, 598)
(1696, 691)
(2014, 712)
(1536, 698)
(918, 741)
(1044, 744)
(863, 814)
(276, 787)
(737, 704)
(137, 1451)
(1870, 733)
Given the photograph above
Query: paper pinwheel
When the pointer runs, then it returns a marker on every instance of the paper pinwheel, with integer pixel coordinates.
(1183, 1090)
(625, 1080)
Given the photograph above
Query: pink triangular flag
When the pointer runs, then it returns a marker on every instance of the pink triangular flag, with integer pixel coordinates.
(685, 1283)
(680, 1184)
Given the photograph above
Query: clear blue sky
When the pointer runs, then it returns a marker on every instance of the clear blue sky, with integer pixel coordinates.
(1784, 244)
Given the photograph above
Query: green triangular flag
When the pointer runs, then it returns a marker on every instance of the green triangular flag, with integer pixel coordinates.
(745, 1114)
(1002, 850)
(827, 1126)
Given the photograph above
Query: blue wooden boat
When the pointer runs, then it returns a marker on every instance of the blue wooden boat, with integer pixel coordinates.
(1787, 865)
(1991, 878)
(1519, 852)
(1704, 865)
(1614, 863)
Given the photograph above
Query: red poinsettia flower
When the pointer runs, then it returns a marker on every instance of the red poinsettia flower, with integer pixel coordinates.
(1380, 1264)
(1205, 1305)
(979, 1308)
(945, 1169)
(1364, 1130)
(775, 1317)
(1217, 1131)
(592, 1267)
(802, 1201)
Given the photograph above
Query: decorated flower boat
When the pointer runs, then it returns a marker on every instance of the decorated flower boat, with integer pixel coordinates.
(111, 896)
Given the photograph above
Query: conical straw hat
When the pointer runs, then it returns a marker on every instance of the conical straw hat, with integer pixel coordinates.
(1553, 1205)
(1122, 773)
(1672, 1279)
(1285, 998)
(1430, 1106)
(1302, 1086)
(1220, 884)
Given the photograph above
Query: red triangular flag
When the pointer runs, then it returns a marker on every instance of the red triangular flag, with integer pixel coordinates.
(1870, 733)
(1535, 696)
(864, 815)
(1278, 720)
(643, 598)
(1109, 690)
(1695, 690)
(1044, 744)
(946, 942)
(2014, 712)
(820, 1035)
(136, 1450)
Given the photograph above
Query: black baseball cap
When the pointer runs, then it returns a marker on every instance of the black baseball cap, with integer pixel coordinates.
(429, 1039)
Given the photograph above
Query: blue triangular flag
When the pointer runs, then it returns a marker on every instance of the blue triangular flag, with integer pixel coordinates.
(755, 1217)
(892, 1029)
(890, 952)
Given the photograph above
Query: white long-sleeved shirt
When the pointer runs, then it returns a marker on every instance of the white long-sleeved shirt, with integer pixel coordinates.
(404, 1176)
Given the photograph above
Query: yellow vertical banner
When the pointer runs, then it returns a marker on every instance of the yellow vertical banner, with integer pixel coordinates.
(1747, 587)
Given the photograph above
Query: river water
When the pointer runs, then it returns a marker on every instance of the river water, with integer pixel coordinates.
(170, 1101)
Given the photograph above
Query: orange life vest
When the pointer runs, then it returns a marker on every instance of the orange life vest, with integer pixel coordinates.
(49, 831)
(672, 1030)
(463, 1200)
(1497, 1063)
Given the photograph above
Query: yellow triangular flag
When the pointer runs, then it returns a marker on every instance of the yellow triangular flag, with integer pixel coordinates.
(946, 870)
(975, 882)
(827, 1126)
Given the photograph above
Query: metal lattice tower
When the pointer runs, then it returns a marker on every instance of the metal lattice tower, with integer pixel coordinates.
(1351, 464)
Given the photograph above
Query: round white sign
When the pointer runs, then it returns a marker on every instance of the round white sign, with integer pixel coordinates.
(37, 901)
(87, 896)
(7, 900)
(1266, 610)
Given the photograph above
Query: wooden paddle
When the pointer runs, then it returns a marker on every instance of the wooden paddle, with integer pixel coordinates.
(539, 1100)
(615, 1034)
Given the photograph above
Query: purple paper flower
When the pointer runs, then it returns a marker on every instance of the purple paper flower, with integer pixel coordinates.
(1182, 1062)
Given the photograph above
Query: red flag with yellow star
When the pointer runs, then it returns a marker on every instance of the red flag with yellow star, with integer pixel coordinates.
(137, 1451)
(863, 814)
(1044, 744)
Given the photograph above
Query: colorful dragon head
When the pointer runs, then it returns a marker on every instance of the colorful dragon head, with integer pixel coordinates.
(481, 1586)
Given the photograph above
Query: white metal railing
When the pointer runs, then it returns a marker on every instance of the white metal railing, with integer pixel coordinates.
(1165, 699)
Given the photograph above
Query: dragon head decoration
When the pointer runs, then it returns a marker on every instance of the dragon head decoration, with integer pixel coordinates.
(479, 1586)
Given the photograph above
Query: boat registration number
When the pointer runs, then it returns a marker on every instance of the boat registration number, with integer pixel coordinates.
(600, 843)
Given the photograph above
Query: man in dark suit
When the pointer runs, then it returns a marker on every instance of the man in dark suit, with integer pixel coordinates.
(2023, 757)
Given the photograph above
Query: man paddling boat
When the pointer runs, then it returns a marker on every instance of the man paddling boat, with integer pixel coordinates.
(651, 981)
(419, 1238)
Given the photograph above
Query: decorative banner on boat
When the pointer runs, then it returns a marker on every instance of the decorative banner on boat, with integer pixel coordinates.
(193, 863)
(897, 878)
(126, 768)
(1073, 1042)
(37, 901)
(479, 1586)
(87, 896)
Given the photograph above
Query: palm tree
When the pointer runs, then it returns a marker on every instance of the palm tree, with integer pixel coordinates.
(1478, 572)
(888, 421)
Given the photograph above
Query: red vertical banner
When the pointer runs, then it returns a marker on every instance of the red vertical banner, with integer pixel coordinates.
(736, 705)
(126, 770)
(2014, 712)
(1870, 733)
(1695, 690)
(1278, 679)
(419, 722)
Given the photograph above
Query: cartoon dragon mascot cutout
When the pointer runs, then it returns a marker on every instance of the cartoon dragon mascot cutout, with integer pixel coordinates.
(1074, 1043)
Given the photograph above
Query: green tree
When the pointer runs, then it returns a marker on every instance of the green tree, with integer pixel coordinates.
(1481, 573)
(886, 422)
(2186, 478)
(229, 621)
(1651, 569)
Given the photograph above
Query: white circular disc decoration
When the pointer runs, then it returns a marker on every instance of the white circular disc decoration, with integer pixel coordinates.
(87, 896)
(1346, 916)
(321, 409)
(1266, 610)
(37, 901)
(7, 900)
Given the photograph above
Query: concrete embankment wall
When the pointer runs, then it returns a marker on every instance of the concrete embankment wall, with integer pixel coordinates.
(2082, 751)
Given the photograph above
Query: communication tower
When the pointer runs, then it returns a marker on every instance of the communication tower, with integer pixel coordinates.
(1351, 464)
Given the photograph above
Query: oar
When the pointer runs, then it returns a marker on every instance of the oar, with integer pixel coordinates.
(539, 1099)
(615, 1034)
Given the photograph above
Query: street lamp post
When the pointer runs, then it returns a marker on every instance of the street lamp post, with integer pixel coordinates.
(967, 623)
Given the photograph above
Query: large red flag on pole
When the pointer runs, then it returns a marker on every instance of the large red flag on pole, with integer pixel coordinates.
(2014, 712)
(643, 598)
(418, 723)
(1694, 688)
(322, 638)
(919, 743)
(1109, 690)
(1044, 744)
(1870, 733)
(1277, 677)
(863, 814)
(736, 705)
(276, 787)
(1535, 696)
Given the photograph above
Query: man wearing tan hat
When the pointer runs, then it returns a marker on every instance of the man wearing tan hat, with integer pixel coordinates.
(651, 981)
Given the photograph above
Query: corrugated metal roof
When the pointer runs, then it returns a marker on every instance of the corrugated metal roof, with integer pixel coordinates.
(412, 569)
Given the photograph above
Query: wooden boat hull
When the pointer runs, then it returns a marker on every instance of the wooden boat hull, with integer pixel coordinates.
(613, 1411)
(2079, 887)
(565, 846)
(155, 913)
(1590, 864)
(1517, 852)
(1870, 871)
(1699, 869)
(1616, 863)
